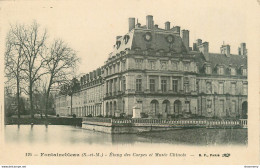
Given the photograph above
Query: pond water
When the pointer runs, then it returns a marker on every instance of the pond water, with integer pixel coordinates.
(71, 135)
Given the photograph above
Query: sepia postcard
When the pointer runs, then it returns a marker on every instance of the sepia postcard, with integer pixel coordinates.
(117, 82)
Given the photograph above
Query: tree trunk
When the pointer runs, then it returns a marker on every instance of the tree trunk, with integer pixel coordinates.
(47, 97)
(71, 104)
(47, 103)
(18, 97)
(31, 100)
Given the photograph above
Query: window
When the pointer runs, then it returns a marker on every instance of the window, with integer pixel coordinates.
(208, 70)
(187, 106)
(174, 65)
(233, 106)
(138, 84)
(233, 71)
(139, 63)
(163, 65)
(197, 86)
(244, 72)
(209, 105)
(175, 85)
(164, 85)
(107, 87)
(123, 66)
(118, 67)
(152, 85)
(110, 70)
(209, 87)
(244, 89)
(123, 85)
(115, 88)
(114, 68)
(233, 88)
(220, 70)
(152, 64)
(186, 85)
(221, 88)
(221, 107)
(110, 87)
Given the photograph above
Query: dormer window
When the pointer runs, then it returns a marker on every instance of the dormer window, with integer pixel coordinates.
(174, 65)
(151, 64)
(244, 71)
(209, 87)
(208, 69)
(118, 43)
(232, 71)
(164, 65)
(221, 70)
(139, 63)
(126, 38)
(186, 66)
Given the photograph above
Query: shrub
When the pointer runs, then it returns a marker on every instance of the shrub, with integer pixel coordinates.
(129, 116)
(144, 115)
(122, 115)
(9, 114)
(74, 116)
(90, 115)
(58, 115)
(159, 115)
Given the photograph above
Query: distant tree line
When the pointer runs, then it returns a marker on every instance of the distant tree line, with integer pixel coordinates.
(34, 66)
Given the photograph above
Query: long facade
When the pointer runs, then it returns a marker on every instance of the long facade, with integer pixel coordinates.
(156, 70)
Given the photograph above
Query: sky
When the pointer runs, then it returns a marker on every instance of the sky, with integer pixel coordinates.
(91, 27)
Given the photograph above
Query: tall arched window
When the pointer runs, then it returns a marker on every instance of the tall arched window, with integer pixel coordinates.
(177, 107)
(166, 106)
(154, 107)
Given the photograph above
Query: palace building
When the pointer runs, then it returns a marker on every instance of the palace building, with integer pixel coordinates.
(156, 70)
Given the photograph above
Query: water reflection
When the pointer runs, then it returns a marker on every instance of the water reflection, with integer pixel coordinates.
(72, 135)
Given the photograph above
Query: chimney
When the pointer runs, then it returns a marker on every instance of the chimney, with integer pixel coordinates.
(167, 25)
(195, 48)
(149, 21)
(243, 49)
(204, 48)
(239, 51)
(131, 22)
(176, 29)
(225, 49)
(198, 41)
(186, 39)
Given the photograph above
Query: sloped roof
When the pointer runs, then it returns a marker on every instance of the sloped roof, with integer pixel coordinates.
(233, 60)
(158, 42)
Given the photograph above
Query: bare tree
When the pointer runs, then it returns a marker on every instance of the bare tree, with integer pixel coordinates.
(61, 62)
(14, 59)
(32, 44)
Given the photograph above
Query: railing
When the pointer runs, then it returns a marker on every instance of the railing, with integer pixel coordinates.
(177, 122)
(243, 123)
(169, 122)
(93, 119)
